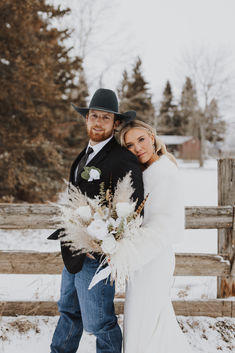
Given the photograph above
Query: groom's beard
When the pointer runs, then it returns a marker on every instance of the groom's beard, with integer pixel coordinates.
(99, 134)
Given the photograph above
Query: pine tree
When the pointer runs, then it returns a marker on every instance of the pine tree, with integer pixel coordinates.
(204, 124)
(134, 95)
(166, 103)
(80, 93)
(77, 133)
(168, 118)
(36, 76)
(123, 93)
(189, 109)
(215, 126)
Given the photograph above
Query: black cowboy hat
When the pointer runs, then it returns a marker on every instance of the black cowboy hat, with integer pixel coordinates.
(106, 100)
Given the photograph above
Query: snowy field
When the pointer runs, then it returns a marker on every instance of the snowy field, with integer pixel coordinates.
(33, 334)
(24, 334)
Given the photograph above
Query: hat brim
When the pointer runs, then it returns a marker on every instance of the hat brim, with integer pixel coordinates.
(127, 116)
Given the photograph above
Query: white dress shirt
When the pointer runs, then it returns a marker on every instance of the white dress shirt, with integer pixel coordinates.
(96, 148)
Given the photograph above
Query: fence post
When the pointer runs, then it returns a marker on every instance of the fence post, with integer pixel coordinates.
(226, 237)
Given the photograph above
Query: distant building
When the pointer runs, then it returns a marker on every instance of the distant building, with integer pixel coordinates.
(184, 147)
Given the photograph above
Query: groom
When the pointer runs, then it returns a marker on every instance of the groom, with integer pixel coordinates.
(82, 309)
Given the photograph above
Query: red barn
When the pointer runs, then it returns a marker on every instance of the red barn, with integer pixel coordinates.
(184, 147)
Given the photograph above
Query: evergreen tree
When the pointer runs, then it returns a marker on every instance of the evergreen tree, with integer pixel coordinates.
(204, 124)
(77, 133)
(215, 126)
(80, 93)
(169, 117)
(134, 94)
(166, 103)
(123, 93)
(189, 110)
(36, 76)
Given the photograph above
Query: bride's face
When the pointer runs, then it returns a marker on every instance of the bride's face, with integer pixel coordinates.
(139, 142)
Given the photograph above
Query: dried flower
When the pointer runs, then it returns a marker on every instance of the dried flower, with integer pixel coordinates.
(113, 222)
(124, 190)
(109, 245)
(97, 229)
(141, 206)
(124, 209)
(84, 212)
(99, 224)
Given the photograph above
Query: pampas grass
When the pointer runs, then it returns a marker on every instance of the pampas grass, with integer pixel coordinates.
(124, 190)
(75, 223)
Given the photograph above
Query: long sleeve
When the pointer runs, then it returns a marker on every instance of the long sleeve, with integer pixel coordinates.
(163, 223)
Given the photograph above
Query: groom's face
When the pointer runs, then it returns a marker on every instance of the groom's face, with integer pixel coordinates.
(100, 125)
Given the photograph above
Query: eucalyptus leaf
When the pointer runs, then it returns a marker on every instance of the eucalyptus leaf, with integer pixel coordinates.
(86, 173)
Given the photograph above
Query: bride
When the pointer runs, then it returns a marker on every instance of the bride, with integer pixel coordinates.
(150, 324)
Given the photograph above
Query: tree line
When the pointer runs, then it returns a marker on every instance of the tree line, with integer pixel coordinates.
(40, 133)
(38, 80)
(185, 117)
(170, 117)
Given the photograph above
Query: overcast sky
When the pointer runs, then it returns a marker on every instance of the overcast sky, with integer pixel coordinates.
(162, 30)
(159, 31)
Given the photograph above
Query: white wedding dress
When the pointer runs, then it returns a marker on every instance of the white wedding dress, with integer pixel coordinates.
(150, 324)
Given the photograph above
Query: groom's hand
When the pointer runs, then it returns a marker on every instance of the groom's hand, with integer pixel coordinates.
(90, 256)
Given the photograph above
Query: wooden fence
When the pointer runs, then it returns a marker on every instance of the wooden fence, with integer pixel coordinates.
(222, 264)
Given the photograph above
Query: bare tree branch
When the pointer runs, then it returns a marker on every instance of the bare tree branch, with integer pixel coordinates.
(212, 75)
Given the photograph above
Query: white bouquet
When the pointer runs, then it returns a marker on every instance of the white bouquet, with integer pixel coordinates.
(98, 225)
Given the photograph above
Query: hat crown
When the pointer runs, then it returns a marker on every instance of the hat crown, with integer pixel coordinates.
(104, 98)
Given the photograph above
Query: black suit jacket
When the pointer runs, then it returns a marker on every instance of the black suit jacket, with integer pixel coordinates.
(114, 162)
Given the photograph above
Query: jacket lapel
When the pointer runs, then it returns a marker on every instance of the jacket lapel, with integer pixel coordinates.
(102, 153)
(74, 166)
(98, 157)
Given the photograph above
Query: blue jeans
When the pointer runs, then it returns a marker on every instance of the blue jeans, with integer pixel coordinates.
(91, 310)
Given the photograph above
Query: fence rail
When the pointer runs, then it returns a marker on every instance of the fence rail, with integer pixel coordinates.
(222, 265)
(39, 216)
(32, 262)
(212, 308)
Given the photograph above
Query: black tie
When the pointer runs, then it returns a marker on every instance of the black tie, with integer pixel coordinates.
(83, 161)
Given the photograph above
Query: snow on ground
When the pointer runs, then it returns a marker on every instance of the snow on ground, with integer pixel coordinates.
(200, 189)
(24, 334)
(27, 334)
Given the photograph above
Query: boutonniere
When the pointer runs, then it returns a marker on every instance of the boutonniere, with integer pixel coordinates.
(91, 173)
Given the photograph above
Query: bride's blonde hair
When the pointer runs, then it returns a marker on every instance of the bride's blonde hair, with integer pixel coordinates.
(160, 147)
